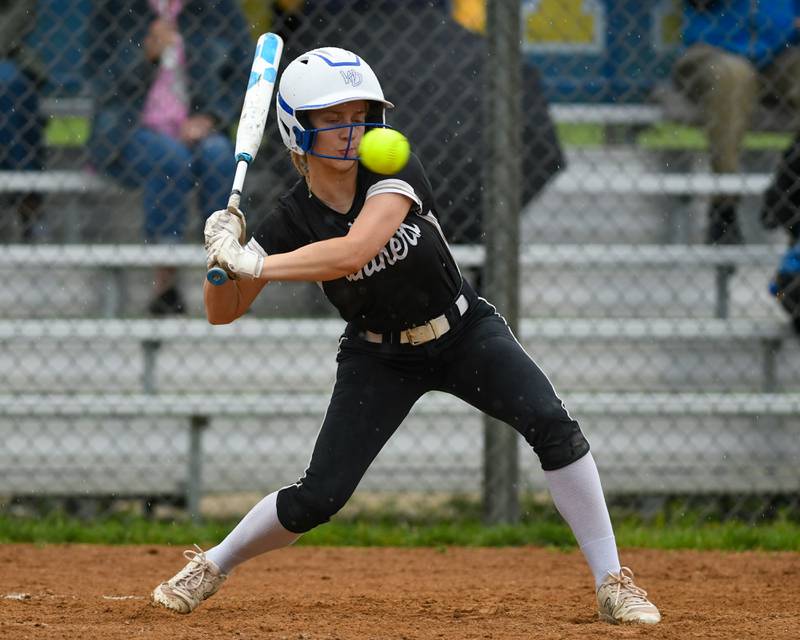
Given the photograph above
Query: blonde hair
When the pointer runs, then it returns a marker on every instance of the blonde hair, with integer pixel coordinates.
(300, 163)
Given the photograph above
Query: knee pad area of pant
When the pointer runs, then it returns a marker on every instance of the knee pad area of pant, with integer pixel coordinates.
(558, 443)
(300, 509)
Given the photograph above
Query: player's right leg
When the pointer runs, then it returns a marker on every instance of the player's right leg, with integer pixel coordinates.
(370, 399)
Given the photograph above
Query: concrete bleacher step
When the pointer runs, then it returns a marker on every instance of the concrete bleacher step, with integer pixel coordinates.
(621, 366)
(262, 440)
(629, 194)
(290, 354)
(124, 458)
(572, 290)
(556, 280)
(646, 292)
(545, 294)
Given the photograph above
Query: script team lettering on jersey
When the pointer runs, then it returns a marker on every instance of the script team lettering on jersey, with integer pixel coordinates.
(394, 251)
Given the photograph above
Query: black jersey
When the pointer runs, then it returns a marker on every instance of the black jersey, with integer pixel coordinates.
(414, 277)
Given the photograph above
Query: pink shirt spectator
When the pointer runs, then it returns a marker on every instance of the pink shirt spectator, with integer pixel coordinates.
(166, 106)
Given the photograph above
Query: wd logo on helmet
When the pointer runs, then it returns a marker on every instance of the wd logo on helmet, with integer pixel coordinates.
(352, 77)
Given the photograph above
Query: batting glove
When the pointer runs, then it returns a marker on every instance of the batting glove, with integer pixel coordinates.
(235, 259)
(212, 247)
(228, 222)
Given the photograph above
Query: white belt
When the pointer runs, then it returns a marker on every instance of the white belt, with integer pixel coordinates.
(423, 333)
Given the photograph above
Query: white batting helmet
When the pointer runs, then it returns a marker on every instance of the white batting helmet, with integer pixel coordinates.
(322, 78)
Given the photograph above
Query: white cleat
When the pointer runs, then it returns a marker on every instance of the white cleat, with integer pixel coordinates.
(619, 600)
(198, 580)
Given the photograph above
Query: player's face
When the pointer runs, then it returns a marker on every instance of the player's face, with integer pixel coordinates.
(342, 140)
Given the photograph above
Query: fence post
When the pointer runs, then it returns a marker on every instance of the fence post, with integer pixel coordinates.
(502, 204)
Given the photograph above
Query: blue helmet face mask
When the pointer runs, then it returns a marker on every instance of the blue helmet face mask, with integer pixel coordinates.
(305, 139)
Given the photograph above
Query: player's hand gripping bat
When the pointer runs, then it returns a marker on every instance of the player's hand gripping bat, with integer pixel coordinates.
(257, 102)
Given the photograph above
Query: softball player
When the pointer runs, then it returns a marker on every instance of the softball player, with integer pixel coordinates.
(413, 325)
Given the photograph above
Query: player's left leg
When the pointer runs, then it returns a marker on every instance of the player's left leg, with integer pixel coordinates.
(493, 372)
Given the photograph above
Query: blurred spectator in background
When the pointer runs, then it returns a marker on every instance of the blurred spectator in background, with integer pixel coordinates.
(430, 55)
(286, 18)
(21, 125)
(785, 285)
(739, 52)
(781, 208)
(168, 79)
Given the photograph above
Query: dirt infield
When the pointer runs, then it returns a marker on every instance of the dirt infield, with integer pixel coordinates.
(304, 593)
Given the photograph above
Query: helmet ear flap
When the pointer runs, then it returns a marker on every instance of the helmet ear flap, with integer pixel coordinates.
(305, 139)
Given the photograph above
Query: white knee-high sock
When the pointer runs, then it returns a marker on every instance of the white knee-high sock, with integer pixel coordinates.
(258, 532)
(578, 496)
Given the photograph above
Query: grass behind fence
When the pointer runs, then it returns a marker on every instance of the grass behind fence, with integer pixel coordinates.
(666, 136)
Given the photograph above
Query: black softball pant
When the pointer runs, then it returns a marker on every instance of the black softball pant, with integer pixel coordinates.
(478, 360)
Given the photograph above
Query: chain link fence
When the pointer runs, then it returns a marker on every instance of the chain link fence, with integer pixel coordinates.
(657, 327)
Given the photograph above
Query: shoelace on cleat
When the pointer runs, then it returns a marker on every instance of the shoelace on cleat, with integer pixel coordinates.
(625, 581)
(194, 575)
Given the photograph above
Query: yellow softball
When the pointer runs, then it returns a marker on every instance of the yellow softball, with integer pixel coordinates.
(384, 151)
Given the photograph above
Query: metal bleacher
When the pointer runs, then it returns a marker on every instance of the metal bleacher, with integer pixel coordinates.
(613, 307)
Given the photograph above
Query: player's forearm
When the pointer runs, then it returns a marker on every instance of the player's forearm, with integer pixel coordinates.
(222, 302)
(318, 261)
